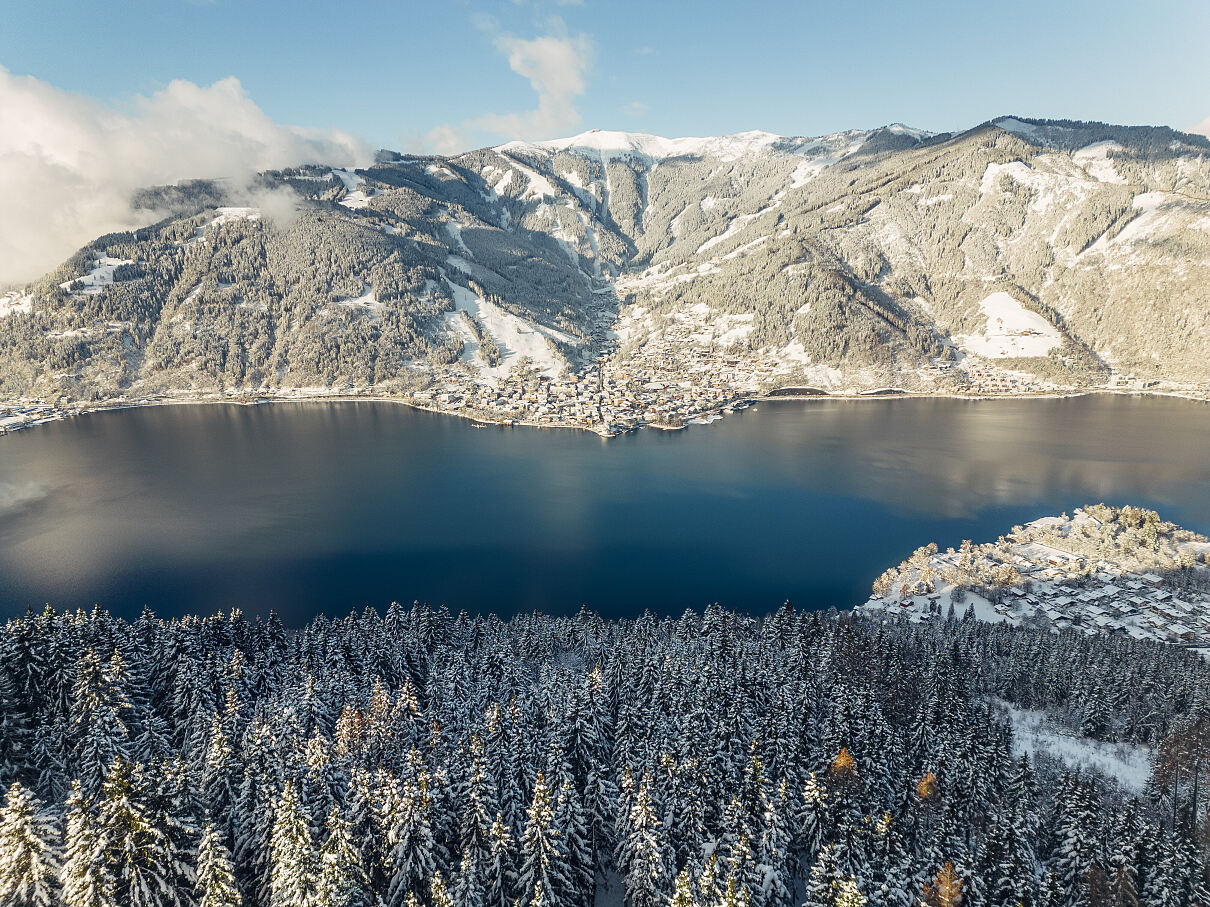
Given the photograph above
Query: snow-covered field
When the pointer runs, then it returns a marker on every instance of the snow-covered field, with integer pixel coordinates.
(1036, 734)
(15, 304)
(516, 337)
(365, 301)
(227, 214)
(356, 197)
(1012, 331)
(100, 276)
(1095, 159)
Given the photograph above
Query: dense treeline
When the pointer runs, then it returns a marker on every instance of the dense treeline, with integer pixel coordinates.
(419, 758)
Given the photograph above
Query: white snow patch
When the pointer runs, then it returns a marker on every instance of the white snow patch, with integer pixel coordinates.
(365, 301)
(100, 276)
(356, 197)
(516, 337)
(227, 214)
(539, 186)
(1034, 733)
(1015, 126)
(652, 148)
(735, 227)
(935, 200)
(14, 304)
(1095, 159)
(455, 231)
(1012, 331)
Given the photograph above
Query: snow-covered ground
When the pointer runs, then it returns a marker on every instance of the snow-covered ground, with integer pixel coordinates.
(1012, 331)
(15, 304)
(356, 197)
(364, 302)
(100, 276)
(227, 214)
(613, 145)
(1095, 159)
(1035, 733)
(516, 337)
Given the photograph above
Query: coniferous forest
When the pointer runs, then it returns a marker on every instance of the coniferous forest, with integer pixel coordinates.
(422, 759)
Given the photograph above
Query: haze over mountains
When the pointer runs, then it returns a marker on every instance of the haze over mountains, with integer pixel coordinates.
(1060, 249)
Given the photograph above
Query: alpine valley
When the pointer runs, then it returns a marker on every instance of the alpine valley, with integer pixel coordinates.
(613, 279)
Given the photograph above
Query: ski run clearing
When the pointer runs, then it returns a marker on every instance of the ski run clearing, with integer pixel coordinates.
(98, 278)
(1012, 331)
(13, 304)
(517, 338)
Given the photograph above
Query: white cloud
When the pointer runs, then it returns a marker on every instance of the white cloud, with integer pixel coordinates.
(634, 109)
(68, 165)
(1202, 128)
(556, 66)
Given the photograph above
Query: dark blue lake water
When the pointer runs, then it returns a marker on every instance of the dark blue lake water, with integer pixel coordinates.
(317, 507)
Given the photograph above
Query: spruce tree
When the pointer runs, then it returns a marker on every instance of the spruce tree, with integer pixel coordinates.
(413, 857)
(215, 886)
(28, 864)
(342, 880)
(544, 877)
(86, 879)
(293, 879)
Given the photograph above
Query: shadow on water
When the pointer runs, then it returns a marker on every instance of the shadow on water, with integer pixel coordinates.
(331, 506)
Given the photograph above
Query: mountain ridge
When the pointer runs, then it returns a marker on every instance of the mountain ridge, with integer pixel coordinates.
(862, 259)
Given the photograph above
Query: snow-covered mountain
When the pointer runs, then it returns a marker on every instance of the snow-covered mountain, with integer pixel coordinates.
(1058, 249)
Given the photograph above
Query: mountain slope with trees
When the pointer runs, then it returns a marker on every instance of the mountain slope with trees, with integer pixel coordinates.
(857, 259)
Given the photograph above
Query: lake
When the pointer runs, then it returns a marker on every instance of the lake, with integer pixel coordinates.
(326, 507)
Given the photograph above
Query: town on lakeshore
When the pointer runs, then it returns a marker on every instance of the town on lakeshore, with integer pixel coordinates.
(1101, 570)
(674, 379)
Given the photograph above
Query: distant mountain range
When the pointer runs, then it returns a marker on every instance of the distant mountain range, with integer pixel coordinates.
(1062, 250)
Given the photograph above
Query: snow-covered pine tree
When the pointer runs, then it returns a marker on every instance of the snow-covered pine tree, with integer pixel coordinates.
(342, 881)
(544, 876)
(85, 876)
(215, 885)
(773, 857)
(132, 835)
(29, 865)
(571, 822)
(413, 859)
(15, 735)
(293, 880)
(500, 881)
(99, 705)
(646, 858)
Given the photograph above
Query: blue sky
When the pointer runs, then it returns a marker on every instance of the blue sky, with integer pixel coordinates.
(413, 74)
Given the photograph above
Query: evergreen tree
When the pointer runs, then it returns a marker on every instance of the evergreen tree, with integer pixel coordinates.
(544, 877)
(342, 880)
(86, 879)
(293, 881)
(413, 846)
(215, 885)
(28, 864)
(645, 858)
(132, 835)
(500, 879)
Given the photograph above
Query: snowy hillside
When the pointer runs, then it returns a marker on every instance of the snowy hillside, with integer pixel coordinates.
(1021, 254)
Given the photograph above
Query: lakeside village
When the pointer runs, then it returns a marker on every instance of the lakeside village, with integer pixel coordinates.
(678, 376)
(1101, 570)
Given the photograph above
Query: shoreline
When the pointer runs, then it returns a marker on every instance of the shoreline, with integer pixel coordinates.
(47, 414)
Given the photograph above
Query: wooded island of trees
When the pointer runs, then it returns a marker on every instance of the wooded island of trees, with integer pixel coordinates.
(422, 759)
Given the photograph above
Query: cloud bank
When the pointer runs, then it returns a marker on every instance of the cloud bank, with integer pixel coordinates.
(68, 165)
(556, 66)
